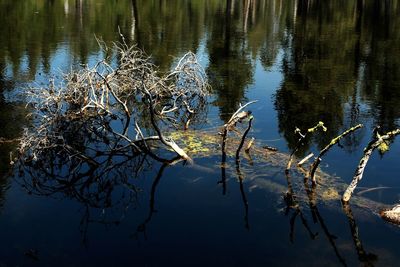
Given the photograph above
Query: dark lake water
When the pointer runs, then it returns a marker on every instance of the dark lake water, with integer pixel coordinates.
(304, 61)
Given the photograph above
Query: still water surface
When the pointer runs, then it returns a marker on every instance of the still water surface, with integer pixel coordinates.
(304, 61)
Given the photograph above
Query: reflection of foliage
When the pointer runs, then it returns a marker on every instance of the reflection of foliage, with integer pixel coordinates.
(38, 28)
(333, 53)
(230, 69)
(381, 69)
(318, 77)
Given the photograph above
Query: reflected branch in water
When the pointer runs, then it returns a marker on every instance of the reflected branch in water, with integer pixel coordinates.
(243, 194)
(292, 204)
(223, 161)
(368, 259)
(237, 117)
(312, 202)
(142, 227)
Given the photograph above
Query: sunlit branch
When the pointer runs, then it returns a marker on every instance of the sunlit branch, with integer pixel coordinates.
(377, 141)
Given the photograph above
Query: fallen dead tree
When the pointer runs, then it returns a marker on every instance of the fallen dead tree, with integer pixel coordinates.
(122, 109)
(93, 132)
(102, 122)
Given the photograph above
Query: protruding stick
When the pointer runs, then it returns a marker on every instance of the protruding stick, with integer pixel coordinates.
(376, 142)
(334, 141)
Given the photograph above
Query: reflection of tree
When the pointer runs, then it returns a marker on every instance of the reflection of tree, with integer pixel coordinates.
(333, 53)
(168, 28)
(381, 72)
(230, 68)
(318, 66)
(33, 30)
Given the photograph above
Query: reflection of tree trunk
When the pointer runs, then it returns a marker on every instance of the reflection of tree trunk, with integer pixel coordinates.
(253, 7)
(357, 60)
(135, 24)
(358, 22)
(66, 7)
(227, 33)
(302, 7)
(246, 15)
(294, 11)
(230, 7)
(78, 7)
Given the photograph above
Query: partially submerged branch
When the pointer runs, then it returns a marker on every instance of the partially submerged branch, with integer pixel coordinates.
(102, 103)
(333, 142)
(378, 141)
(237, 117)
(301, 139)
(243, 139)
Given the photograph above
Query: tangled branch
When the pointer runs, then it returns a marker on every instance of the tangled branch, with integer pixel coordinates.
(120, 108)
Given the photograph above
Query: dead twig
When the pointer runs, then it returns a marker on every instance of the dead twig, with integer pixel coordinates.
(301, 139)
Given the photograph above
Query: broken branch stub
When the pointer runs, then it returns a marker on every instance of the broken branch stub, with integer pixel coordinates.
(302, 137)
(392, 215)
